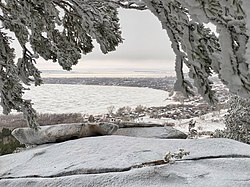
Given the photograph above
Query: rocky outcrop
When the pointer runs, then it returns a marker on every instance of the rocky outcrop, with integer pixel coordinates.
(152, 132)
(122, 161)
(62, 132)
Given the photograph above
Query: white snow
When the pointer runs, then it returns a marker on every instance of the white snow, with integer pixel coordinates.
(92, 99)
(207, 122)
(107, 161)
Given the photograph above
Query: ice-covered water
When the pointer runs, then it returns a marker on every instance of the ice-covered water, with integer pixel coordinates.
(59, 98)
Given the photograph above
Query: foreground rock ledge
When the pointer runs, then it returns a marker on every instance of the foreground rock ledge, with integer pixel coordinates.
(62, 132)
(109, 160)
(152, 132)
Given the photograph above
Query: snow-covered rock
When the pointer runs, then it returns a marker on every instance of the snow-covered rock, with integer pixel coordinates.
(106, 161)
(62, 132)
(152, 132)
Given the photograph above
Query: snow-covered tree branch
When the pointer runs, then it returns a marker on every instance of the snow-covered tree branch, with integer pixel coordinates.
(201, 50)
(63, 30)
(55, 30)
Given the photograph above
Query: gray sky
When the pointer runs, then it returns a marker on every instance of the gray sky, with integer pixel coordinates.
(146, 45)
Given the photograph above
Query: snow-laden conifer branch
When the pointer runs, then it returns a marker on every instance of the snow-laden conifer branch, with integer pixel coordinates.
(11, 89)
(206, 53)
(229, 18)
(188, 40)
(57, 30)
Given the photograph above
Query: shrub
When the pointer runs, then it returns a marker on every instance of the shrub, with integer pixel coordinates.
(140, 109)
(8, 143)
(237, 121)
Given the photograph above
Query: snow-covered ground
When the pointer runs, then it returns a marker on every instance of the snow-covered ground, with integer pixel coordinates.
(207, 122)
(123, 161)
(91, 99)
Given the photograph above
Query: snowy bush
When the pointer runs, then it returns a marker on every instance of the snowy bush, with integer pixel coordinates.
(140, 109)
(237, 121)
(63, 30)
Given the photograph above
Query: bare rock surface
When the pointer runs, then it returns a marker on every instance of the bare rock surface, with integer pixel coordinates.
(62, 132)
(121, 161)
(152, 132)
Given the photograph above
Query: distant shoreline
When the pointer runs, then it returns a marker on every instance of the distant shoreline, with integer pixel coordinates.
(109, 73)
(165, 84)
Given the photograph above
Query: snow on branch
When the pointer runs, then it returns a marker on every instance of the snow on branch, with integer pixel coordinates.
(193, 44)
(229, 17)
(130, 4)
(57, 30)
(201, 50)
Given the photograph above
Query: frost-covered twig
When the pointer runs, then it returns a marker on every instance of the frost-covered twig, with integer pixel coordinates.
(172, 157)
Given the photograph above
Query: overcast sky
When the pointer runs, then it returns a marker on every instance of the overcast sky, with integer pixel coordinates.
(146, 45)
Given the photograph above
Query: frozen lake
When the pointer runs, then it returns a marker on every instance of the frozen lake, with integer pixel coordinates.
(61, 98)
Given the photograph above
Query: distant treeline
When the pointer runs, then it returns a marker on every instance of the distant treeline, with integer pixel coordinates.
(165, 83)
